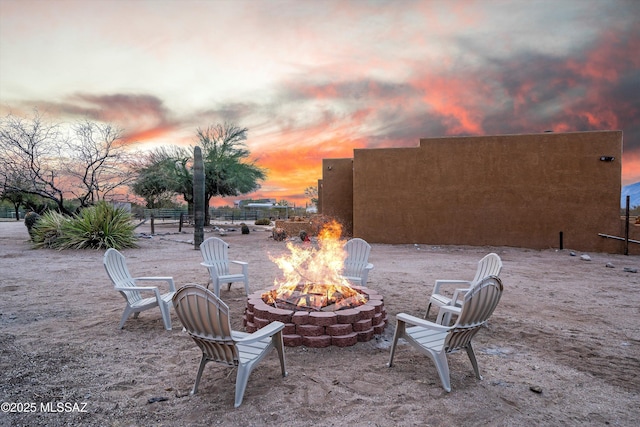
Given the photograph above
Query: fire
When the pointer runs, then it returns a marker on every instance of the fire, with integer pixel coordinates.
(312, 276)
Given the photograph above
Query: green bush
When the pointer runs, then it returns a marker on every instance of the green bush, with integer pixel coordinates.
(98, 227)
(263, 221)
(30, 220)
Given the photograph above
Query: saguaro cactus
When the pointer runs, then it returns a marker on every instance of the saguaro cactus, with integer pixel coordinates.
(198, 198)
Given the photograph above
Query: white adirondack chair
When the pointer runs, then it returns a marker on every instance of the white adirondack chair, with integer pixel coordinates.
(437, 341)
(489, 265)
(206, 319)
(116, 266)
(356, 264)
(215, 253)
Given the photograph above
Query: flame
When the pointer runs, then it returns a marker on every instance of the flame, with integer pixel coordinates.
(312, 276)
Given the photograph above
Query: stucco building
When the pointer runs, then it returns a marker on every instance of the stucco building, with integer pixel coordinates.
(547, 190)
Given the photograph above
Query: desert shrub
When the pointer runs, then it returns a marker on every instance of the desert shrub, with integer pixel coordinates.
(30, 220)
(47, 229)
(279, 234)
(263, 221)
(97, 227)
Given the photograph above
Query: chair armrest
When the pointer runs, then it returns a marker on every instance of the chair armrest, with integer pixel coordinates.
(135, 288)
(456, 295)
(243, 264)
(369, 266)
(168, 279)
(262, 333)
(412, 320)
(436, 287)
(447, 309)
(140, 288)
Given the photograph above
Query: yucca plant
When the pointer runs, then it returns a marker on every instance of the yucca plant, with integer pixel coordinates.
(97, 227)
(46, 231)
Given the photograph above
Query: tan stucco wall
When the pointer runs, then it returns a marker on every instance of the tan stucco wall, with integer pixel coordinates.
(507, 190)
(336, 193)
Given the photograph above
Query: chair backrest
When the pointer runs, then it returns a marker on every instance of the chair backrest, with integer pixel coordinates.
(215, 251)
(206, 319)
(479, 304)
(357, 256)
(489, 265)
(116, 266)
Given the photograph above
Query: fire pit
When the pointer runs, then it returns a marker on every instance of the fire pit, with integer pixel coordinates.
(341, 328)
(317, 305)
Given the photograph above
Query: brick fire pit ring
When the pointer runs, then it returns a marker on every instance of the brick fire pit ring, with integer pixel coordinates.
(319, 329)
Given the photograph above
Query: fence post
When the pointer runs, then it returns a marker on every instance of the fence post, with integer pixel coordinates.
(626, 228)
(561, 240)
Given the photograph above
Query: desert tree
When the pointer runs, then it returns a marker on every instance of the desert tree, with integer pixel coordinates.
(97, 161)
(29, 158)
(14, 196)
(155, 183)
(311, 193)
(161, 174)
(38, 158)
(228, 170)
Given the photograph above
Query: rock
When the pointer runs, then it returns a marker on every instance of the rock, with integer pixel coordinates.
(630, 270)
(609, 265)
(572, 253)
(536, 389)
(585, 257)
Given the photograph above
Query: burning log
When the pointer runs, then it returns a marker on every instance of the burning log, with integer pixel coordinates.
(313, 297)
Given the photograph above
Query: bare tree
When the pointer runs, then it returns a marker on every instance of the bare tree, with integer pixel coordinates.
(29, 160)
(312, 194)
(37, 158)
(97, 161)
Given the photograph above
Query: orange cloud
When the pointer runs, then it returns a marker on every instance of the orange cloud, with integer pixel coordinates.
(455, 99)
(148, 135)
(631, 168)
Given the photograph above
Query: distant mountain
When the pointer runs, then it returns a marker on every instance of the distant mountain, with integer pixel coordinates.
(633, 191)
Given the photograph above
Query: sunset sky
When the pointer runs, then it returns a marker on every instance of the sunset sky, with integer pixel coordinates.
(314, 79)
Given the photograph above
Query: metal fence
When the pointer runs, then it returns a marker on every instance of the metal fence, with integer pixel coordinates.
(227, 214)
(10, 213)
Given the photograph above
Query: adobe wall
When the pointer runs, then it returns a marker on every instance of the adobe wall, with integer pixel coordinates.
(336, 195)
(507, 190)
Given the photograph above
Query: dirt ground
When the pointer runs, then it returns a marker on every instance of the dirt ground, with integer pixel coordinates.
(562, 348)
